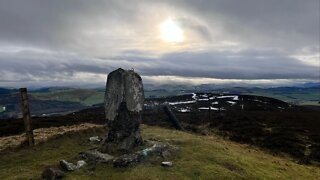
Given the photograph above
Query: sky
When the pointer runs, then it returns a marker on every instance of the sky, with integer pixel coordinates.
(78, 42)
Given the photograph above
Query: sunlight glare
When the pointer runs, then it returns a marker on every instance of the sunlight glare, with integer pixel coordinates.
(171, 32)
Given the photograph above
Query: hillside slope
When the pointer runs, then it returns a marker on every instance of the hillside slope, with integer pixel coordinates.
(199, 157)
(261, 121)
(86, 97)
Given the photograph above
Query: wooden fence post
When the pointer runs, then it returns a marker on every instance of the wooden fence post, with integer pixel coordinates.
(26, 116)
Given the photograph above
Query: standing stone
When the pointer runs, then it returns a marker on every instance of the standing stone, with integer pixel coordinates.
(123, 86)
(124, 133)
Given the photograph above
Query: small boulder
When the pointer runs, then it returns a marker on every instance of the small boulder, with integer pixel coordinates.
(139, 156)
(81, 163)
(95, 156)
(167, 164)
(68, 166)
(94, 139)
(51, 173)
(127, 160)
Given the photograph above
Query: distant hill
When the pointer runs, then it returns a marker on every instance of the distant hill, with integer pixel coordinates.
(262, 121)
(75, 99)
(86, 97)
(4, 91)
(307, 94)
(10, 105)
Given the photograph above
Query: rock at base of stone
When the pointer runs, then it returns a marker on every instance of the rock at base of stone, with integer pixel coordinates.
(95, 139)
(131, 159)
(127, 160)
(124, 134)
(81, 163)
(51, 173)
(167, 164)
(68, 166)
(95, 156)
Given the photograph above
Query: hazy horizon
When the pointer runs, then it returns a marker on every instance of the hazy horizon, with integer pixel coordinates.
(175, 86)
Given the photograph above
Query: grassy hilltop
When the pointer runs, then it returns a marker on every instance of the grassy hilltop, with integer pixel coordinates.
(198, 157)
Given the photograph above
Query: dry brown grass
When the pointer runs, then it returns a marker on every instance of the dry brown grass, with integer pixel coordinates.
(43, 134)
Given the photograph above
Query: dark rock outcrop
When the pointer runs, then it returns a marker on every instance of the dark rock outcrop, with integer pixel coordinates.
(123, 86)
(124, 133)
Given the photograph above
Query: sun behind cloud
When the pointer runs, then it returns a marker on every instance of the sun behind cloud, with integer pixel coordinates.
(171, 31)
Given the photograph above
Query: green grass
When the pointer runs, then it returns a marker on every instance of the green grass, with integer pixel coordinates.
(303, 98)
(84, 96)
(313, 103)
(94, 99)
(198, 157)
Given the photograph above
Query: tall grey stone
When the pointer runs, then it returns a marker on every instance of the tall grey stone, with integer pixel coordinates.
(124, 133)
(123, 86)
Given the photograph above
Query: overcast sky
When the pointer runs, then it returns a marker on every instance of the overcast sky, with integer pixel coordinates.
(78, 42)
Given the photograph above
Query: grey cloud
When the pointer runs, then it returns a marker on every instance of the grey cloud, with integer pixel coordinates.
(271, 32)
(231, 65)
(197, 27)
(51, 65)
(59, 23)
(249, 64)
(290, 23)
